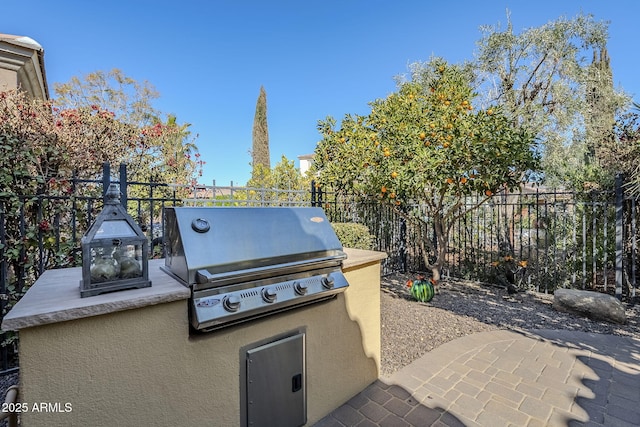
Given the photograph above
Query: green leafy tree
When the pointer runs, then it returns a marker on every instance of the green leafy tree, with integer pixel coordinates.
(260, 152)
(540, 77)
(424, 150)
(158, 150)
(172, 158)
(622, 152)
(129, 100)
(283, 183)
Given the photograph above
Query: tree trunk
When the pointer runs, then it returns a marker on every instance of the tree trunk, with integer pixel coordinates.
(442, 237)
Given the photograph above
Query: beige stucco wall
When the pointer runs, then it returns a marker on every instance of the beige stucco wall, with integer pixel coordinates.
(8, 79)
(139, 367)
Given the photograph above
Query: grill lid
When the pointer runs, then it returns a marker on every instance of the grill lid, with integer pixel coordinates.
(223, 244)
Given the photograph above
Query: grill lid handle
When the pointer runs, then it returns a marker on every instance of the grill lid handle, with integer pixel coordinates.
(203, 276)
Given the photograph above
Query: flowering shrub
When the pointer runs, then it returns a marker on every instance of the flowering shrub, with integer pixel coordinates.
(42, 147)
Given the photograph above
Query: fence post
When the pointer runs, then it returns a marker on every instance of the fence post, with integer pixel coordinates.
(619, 233)
(123, 185)
(403, 244)
(316, 195)
(106, 178)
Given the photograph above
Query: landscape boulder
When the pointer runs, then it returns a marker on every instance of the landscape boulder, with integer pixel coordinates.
(595, 305)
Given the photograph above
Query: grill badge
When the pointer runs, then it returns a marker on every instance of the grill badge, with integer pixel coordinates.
(317, 219)
(208, 302)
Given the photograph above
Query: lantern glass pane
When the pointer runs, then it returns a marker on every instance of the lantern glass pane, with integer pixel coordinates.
(117, 228)
(115, 262)
(129, 260)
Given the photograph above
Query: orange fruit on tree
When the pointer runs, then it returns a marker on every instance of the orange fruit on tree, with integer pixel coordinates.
(488, 193)
(422, 136)
(449, 181)
(392, 195)
(394, 174)
(463, 180)
(489, 111)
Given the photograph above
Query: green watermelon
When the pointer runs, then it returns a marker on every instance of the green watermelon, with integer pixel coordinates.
(422, 290)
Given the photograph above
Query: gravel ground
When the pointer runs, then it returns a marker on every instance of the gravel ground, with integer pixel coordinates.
(411, 329)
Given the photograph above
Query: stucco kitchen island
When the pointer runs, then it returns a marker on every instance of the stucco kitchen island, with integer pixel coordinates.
(128, 357)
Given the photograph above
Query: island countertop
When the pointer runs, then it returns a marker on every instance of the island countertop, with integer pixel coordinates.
(55, 297)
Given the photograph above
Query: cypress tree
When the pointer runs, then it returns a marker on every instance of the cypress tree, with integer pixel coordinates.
(260, 151)
(601, 105)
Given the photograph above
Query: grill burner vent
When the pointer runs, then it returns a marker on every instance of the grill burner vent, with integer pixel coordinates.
(249, 294)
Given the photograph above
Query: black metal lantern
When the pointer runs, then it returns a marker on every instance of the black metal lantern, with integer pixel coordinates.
(115, 251)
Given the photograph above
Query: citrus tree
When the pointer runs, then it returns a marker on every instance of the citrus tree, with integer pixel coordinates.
(424, 150)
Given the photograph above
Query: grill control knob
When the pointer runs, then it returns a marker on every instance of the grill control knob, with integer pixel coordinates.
(231, 303)
(328, 282)
(268, 294)
(300, 288)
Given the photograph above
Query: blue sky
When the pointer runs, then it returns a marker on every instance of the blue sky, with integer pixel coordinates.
(208, 59)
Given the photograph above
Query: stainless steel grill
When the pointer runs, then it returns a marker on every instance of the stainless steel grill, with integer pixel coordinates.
(244, 263)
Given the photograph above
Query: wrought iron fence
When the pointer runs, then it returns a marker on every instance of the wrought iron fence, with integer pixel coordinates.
(562, 239)
(41, 232)
(550, 239)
